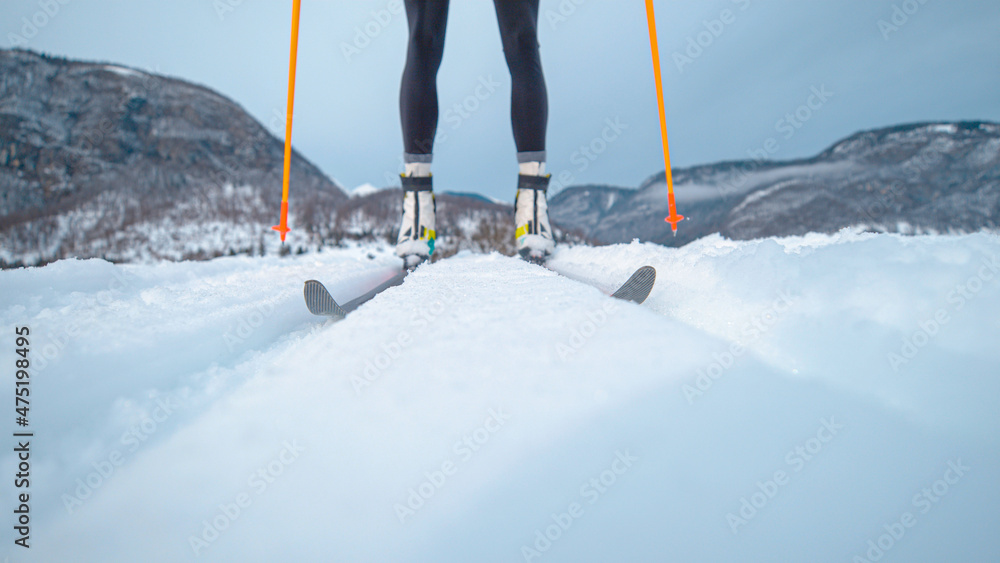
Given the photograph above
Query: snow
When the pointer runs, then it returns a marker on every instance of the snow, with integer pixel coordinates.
(773, 400)
(738, 181)
(985, 154)
(947, 128)
(122, 71)
(766, 192)
(363, 190)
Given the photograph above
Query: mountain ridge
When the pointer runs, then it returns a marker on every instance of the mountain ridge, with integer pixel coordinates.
(918, 177)
(102, 160)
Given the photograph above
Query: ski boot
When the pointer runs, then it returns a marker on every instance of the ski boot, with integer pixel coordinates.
(415, 243)
(533, 233)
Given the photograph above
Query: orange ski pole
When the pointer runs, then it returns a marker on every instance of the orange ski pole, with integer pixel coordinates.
(673, 218)
(283, 226)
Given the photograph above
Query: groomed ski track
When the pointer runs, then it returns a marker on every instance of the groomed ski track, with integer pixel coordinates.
(498, 392)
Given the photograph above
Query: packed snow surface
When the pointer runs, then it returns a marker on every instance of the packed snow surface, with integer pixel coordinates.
(821, 398)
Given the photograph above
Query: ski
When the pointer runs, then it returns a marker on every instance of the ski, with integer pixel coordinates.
(321, 303)
(636, 289)
(638, 286)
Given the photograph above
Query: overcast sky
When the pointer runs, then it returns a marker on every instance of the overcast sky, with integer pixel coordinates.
(876, 63)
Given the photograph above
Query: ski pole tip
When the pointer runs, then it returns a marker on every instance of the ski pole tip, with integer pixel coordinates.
(673, 219)
(283, 229)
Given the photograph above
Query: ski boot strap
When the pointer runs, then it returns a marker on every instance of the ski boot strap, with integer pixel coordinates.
(416, 183)
(540, 183)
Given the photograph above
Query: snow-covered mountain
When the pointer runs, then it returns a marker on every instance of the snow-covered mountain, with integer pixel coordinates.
(102, 160)
(98, 160)
(920, 178)
(811, 399)
(363, 190)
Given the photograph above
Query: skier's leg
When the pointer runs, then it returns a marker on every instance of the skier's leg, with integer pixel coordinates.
(529, 108)
(418, 98)
(418, 109)
(518, 21)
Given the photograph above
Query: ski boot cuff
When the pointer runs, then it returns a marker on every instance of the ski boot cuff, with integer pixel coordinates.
(540, 183)
(416, 183)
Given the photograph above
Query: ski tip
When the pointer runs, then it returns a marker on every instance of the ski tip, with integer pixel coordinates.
(638, 286)
(320, 302)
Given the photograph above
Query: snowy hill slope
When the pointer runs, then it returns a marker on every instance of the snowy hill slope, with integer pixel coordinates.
(920, 178)
(779, 399)
(103, 160)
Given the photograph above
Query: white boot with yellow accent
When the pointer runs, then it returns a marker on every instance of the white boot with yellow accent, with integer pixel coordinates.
(415, 243)
(533, 233)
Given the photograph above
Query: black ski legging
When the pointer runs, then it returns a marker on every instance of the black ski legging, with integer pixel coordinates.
(418, 99)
